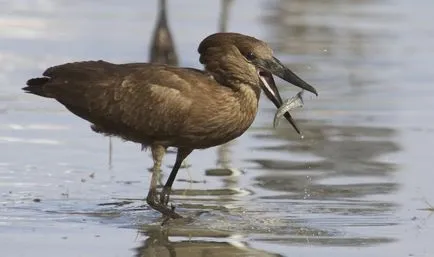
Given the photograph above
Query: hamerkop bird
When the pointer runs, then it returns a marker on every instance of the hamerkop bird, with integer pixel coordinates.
(164, 106)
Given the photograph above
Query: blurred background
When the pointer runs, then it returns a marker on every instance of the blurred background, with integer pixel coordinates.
(359, 183)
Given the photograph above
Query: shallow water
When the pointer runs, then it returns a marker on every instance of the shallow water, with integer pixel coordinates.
(358, 184)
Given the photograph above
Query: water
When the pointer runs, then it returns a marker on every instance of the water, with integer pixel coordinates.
(357, 184)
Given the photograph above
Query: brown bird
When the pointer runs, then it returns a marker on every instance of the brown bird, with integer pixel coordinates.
(164, 106)
(162, 46)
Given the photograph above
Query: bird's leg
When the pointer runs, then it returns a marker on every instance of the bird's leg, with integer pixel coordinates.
(158, 152)
(180, 156)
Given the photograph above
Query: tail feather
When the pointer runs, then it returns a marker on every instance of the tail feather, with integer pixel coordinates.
(36, 86)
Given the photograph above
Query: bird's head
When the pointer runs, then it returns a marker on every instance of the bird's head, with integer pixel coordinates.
(233, 57)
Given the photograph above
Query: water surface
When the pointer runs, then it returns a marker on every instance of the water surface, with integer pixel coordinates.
(357, 184)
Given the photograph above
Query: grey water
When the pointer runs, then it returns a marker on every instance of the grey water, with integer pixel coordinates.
(359, 183)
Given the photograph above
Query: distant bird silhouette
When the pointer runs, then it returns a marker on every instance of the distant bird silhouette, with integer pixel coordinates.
(162, 48)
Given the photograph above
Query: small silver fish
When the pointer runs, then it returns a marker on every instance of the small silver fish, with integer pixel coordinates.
(290, 104)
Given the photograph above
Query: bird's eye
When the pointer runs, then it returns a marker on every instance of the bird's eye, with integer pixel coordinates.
(250, 56)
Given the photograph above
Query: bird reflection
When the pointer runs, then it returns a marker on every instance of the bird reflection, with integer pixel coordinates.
(158, 244)
(224, 14)
(162, 48)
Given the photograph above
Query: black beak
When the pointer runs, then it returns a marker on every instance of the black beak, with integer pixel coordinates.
(274, 66)
(277, 68)
(273, 94)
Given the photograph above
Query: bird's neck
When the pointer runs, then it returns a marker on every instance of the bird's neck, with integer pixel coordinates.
(239, 83)
(248, 97)
(246, 92)
(244, 86)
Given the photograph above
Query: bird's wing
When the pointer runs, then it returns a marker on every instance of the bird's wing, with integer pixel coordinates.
(125, 98)
(154, 100)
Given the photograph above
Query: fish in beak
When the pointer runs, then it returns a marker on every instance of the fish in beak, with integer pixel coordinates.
(266, 69)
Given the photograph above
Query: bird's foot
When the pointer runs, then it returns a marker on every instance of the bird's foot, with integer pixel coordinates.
(165, 195)
(168, 212)
(167, 218)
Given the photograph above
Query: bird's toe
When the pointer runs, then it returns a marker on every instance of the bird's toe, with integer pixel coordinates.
(165, 195)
